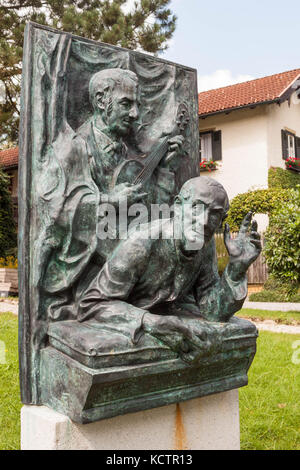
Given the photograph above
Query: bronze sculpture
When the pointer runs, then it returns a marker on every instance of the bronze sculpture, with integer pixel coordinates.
(112, 324)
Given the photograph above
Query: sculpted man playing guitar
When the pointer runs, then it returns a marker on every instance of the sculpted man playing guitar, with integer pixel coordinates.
(99, 169)
(114, 97)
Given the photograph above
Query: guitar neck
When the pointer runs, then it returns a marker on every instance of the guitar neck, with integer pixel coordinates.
(153, 160)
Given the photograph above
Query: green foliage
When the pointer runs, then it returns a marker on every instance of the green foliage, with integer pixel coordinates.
(8, 239)
(284, 179)
(222, 263)
(148, 26)
(222, 254)
(277, 290)
(282, 248)
(10, 262)
(263, 201)
(273, 296)
(281, 202)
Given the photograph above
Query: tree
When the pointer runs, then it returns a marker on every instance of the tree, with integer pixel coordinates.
(8, 239)
(148, 26)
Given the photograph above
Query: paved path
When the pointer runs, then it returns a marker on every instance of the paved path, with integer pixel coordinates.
(280, 306)
(270, 325)
(9, 307)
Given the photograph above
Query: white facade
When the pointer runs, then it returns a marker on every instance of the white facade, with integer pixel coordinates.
(287, 117)
(251, 143)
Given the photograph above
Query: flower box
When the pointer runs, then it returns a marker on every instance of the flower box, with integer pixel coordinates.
(208, 165)
(293, 163)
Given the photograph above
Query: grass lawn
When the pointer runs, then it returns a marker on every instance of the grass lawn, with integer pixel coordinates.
(10, 404)
(269, 405)
(289, 318)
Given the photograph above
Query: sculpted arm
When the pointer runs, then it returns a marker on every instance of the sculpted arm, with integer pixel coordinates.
(218, 297)
(115, 281)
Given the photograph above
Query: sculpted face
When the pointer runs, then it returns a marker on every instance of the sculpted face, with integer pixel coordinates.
(122, 109)
(204, 208)
(201, 221)
(213, 219)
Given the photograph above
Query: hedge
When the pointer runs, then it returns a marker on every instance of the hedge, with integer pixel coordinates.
(8, 236)
(280, 178)
(282, 242)
(260, 201)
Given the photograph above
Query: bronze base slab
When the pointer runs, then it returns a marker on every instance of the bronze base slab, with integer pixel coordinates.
(86, 395)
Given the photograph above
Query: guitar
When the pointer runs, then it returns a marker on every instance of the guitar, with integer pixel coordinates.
(134, 171)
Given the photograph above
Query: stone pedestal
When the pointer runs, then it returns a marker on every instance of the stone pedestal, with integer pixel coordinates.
(210, 423)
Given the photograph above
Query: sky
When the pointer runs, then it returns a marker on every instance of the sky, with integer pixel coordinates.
(229, 41)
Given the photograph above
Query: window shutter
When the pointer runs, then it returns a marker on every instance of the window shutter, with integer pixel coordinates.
(217, 146)
(284, 141)
(297, 145)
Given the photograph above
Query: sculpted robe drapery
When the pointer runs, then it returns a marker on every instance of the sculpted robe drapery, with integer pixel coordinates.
(81, 169)
(153, 275)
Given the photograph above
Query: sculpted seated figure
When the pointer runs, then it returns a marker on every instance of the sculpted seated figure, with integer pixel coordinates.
(164, 285)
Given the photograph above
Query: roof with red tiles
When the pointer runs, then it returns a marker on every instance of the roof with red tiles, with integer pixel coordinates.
(9, 158)
(262, 90)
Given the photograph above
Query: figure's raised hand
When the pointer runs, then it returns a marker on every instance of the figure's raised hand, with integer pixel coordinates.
(245, 248)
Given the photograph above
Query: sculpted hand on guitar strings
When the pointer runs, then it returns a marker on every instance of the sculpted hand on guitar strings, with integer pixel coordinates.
(126, 192)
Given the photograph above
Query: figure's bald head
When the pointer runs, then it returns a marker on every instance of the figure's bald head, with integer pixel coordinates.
(206, 190)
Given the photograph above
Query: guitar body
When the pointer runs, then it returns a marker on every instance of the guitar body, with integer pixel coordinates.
(127, 172)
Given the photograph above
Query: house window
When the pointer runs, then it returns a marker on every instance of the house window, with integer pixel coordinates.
(290, 145)
(210, 146)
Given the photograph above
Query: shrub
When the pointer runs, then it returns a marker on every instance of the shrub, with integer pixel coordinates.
(273, 296)
(263, 201)
(8, 237)
(10, 262)
(282, 244)
(284, 179)
(277, 290)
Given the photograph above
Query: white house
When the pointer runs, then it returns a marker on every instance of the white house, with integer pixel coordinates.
(249, 127)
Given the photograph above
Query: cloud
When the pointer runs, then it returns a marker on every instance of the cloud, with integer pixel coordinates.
(220, 78)
(128, 6)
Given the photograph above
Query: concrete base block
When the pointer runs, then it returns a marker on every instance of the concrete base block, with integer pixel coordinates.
(207, 423)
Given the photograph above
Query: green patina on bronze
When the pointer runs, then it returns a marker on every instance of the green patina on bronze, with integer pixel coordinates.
(115, 326)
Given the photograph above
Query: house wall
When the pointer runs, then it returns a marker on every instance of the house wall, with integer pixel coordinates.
(244, 162)
(284, 116)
